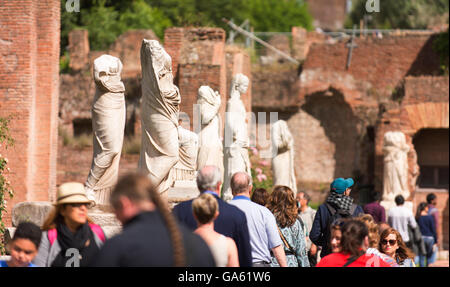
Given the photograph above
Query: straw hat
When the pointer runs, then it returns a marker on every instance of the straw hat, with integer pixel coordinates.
(71, 192)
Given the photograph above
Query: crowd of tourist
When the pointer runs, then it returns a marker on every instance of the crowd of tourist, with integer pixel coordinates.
(255, 229)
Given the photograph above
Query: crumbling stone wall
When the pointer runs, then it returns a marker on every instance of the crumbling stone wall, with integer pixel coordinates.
(196, 46)
(425, 106)
(29, 77)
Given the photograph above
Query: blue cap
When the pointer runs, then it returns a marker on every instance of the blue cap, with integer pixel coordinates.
(339, 185)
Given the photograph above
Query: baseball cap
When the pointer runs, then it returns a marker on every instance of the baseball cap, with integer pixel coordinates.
(339, 185)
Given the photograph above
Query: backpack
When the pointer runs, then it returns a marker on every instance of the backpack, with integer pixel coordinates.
(52, 233)
(336, 215)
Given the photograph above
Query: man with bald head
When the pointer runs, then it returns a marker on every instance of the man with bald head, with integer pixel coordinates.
(231, 221)
(262, 226)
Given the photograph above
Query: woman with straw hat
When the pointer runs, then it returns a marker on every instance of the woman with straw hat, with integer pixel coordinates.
(70, 238)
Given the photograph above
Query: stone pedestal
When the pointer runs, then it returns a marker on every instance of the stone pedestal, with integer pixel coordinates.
(35, 211)
(182, 191)
(108, 221)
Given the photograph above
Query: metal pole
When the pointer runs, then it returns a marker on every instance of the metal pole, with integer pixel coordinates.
(250, 35)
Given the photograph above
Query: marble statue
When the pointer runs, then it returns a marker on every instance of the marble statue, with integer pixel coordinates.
(395, 177)
(160, 110)
(108, 125)
(210, 150)
(236, 140)
(185, 169)
(283, 160)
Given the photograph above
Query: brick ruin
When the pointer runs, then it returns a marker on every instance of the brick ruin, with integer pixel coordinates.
(29, 75)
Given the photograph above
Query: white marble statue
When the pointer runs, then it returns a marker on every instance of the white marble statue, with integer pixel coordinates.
(108, 124)
(283, 160)
(395, 177)
(185, 169)
(210, 150)
(236, 140)
(159, 110)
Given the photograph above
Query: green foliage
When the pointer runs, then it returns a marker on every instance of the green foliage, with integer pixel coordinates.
(141, 16)
(107, 19)
(440, 45)
(278, 15)
(5, 187)
(64, 62)
(401, 14)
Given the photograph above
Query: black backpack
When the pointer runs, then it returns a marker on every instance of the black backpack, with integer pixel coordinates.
(339, 214)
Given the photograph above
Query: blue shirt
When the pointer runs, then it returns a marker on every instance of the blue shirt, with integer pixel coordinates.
(3, 263)
(262, 227)
(231, 222)
(427, 226)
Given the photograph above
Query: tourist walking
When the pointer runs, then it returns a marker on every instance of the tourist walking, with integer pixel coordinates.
(338, 205)
(392, 244)
(307, 214)
(231, 221)
(70, 237)
(224, 250)
(375, 209)
(354, 244)
(262, 226)
(151, 237)
(400, 217)
(283, 205)
(429, 235)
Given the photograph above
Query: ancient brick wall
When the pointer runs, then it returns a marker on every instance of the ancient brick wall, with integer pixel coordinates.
(29, 75)
(425, 106)
(199, 46)
(78, 49)
(425, 89)
(193, 77)
(377, 68)
(238, 61)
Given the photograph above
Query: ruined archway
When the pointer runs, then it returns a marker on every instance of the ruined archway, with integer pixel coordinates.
(431, 146)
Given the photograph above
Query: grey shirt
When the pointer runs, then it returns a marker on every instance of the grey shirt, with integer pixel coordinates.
(308, 218)
(400, 218)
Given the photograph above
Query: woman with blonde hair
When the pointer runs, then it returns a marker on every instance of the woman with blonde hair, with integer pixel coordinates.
(69, 227)
(223, 249)
(283, 205)
(392, 244)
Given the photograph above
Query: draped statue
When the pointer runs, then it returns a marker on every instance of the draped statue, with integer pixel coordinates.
(159, 110)
(236, 141)
(283, 161)
(108, 125)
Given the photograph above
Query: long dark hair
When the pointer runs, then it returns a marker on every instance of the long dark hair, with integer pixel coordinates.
(353, 234)
(421, 207)
(137, 187)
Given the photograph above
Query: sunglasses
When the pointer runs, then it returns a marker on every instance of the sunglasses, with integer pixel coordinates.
(78, 204)
(391, 242)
